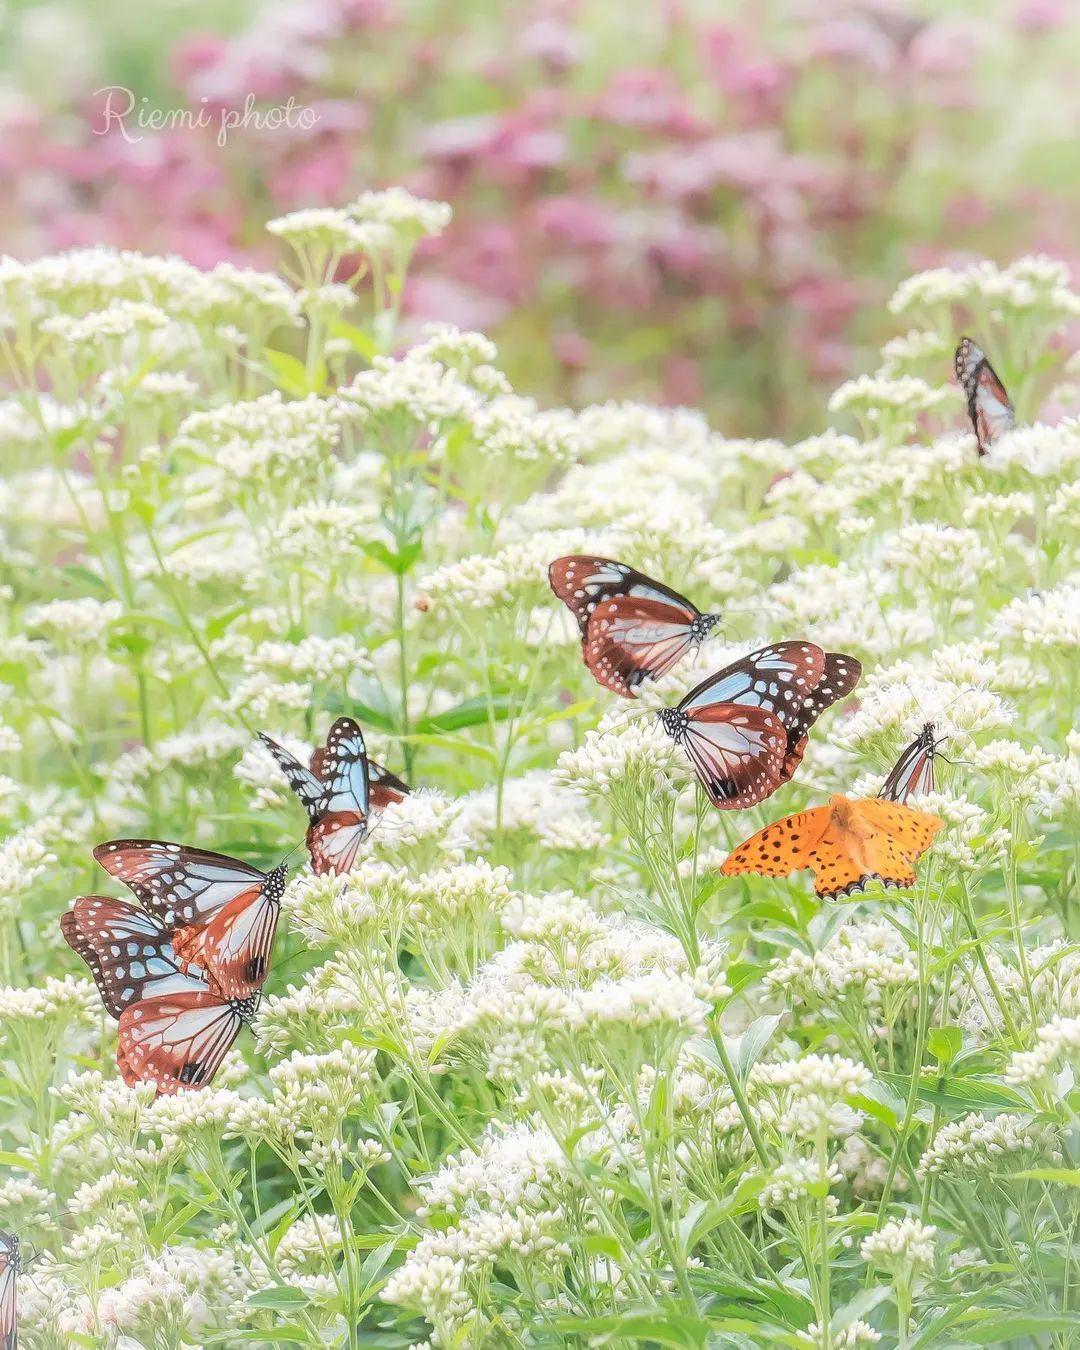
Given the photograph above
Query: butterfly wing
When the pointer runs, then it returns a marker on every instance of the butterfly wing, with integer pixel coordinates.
(385, 788)
(9, 1311)
(177, 884)
(780, 848)
(989, 406)
(345, 770)
(304, 782)
(234, 946)
(343, 816)
(840, 676)
(130, 955)
(913, 773)
(176, 1041)
(911, 831)
(631, 638)
(582, 582)
(737, 753)
(777, 678)
(334, 841)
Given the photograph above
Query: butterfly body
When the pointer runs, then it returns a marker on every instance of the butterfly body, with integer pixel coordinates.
(846, 844)
(913, 773)
(745, 728)
(632, 627)
(989, 406)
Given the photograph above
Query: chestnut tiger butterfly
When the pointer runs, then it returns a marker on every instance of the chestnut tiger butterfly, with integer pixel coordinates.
(176, 1024)
(339, 791)
(989, 406)
(632, 628)
(745, 728)
(913, 773)
(845, 844)
(10, 1266)
(221, 914)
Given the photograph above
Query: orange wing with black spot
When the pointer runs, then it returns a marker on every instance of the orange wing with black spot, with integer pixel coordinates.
(911, 831)
(872, 841)
(782, 847)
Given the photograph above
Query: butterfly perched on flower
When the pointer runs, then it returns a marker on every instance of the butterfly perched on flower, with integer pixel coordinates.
(913, 773)
(10, 1266)
(176, 1023)
(745, 728)
(989, 406)
(632, 628)
(221, 914)
(339, 791)
(845, 844)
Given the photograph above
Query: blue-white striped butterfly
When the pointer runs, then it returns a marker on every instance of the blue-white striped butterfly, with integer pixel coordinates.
(340, 790)
(745, 728)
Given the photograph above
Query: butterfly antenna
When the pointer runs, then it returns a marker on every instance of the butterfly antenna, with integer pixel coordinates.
(626, 715)
(298, 844)
(752, 609)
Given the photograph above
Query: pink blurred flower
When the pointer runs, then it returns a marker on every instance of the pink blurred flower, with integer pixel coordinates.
(944, 48)
(1042, 16)
(318, 176)
(572, 350)
(577, 221)
(554, 43)
(431, 297)
(649, 100)
(682, 382)
(854, 40)
(195, 53)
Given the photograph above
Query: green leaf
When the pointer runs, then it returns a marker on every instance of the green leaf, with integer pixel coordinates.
(292, 1334)
(457, 745)
(882, 1102)
(1057, 1176)
(637, 1327)
(279, 1296)
(472, 712)
(945, 1043)
(960, 1094)
(398, 563)
(369, 1276)
(746, 1051)
(357, 338)
(18, 1160)
(856, 1308)
(1000, 1327)
(290, 374)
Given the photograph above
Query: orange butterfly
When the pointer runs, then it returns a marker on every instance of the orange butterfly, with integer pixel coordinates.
(851, 841)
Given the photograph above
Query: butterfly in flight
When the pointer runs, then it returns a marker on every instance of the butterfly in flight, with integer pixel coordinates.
(989, 406)
(221, 914)
(176, 1024)
(745, 728)
(845, 844)
(632, 628)
(10, 1266)
(913, 773)
(339, 791)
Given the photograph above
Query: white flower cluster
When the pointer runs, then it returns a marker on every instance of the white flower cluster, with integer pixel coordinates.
(975, 1147)
(904, 1248)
